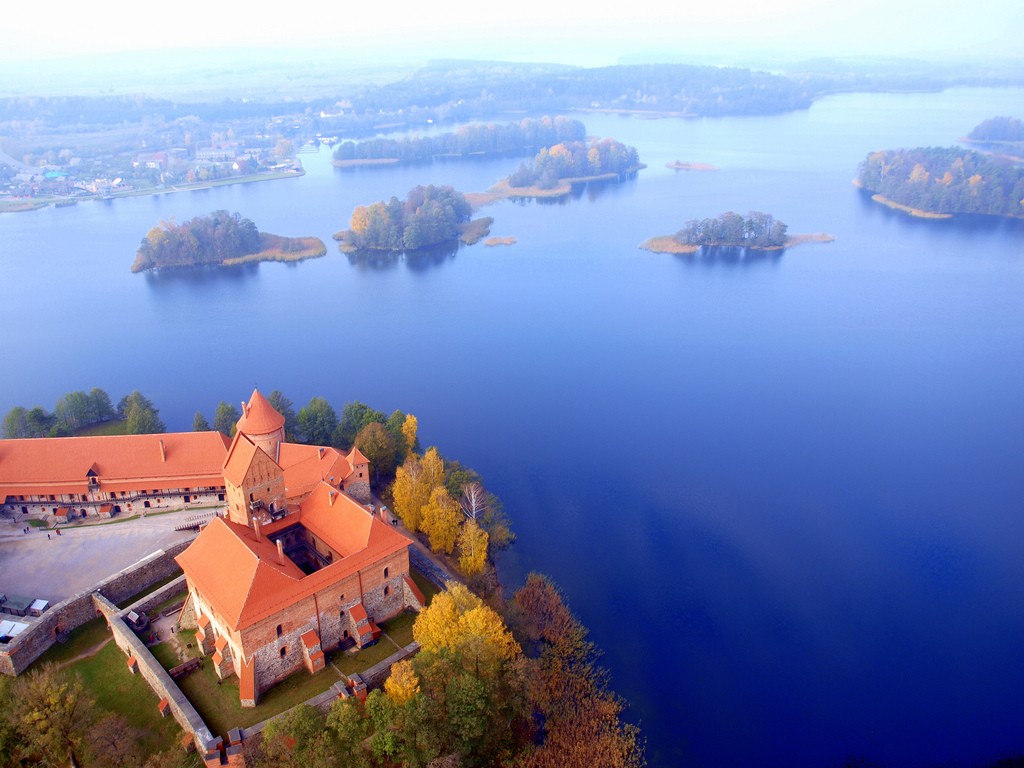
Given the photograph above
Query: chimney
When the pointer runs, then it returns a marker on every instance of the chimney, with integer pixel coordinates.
(245, 408)
(163, 450)
(321, 452)
(256, 527)
(280, 551)
(330, 496)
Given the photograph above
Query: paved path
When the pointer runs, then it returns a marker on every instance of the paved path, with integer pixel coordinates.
(42, 564)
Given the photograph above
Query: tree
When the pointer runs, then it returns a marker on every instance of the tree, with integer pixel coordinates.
(354, 417)
(415, 480)
(39, 422)
(300, 739)
(52, 712)
(350, 726)
(286, 408)
(317, 421)
(225, 418)
(199, 423)
(402, 684)
(409, 429)
(472, 548)
(16, 423)
(459, 621)
(141, 417)
(378, 446)
(73, 411)
(114, 742)
(441, 519)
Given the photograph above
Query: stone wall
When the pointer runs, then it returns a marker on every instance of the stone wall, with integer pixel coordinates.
(161, 683)
(17, 655)
(426, 566)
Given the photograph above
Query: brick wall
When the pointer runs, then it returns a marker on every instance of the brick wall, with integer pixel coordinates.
(154, 674)
(16, 656)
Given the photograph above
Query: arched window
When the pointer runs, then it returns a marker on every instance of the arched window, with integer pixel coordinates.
(278, 630)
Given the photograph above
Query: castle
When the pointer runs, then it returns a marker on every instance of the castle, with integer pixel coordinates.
(296, 566)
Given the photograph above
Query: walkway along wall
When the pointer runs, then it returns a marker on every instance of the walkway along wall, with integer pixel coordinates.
(21, 651)
(154, 674)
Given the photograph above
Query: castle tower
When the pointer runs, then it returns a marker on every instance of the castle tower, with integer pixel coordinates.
(263, 425)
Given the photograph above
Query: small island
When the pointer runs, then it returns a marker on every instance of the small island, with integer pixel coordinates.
(219, 239)
(555, 169)
(429, 216)
(756, 231)
(939, 182)
(1000, 131)
(680, 165)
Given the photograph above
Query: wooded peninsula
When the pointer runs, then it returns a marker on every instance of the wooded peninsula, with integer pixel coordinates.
(219, 239)
(930, 181)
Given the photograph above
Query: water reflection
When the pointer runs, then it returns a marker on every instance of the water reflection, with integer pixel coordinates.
(419, 260)
(729, 256)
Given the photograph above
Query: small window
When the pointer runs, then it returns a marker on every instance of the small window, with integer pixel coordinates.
(341, 614)
(387, 591)
(284, 651)
(385, 573)
(278, 630)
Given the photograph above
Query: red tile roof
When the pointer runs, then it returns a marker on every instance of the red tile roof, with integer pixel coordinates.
(42, 466)
(259, 416)
(310, 639)
(242, 577)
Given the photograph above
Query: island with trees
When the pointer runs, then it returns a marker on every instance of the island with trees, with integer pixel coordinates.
(219, 239)
(938, 182)
(555, 169)
(1001, 131)
(476, 140)
(429, 216)
(755, 231)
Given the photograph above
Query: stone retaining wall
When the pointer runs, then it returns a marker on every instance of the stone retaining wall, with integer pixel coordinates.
(428, 568)
(154, 674)
(17, 655)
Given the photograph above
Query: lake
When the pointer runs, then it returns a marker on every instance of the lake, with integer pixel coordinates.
(784, 492)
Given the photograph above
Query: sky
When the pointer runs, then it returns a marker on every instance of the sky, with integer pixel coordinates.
(569, 32)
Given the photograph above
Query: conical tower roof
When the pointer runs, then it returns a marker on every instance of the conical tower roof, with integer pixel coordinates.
(259, 416)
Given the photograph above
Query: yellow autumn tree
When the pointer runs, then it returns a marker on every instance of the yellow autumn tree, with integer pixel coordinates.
(472, 548)
(414, 482)
(459, 621)
(402, 684)
(409, 429)
(441, 518)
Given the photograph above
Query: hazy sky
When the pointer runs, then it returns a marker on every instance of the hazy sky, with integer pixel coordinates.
(570, 32)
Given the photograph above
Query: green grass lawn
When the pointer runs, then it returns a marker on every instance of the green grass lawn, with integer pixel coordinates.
(80, 640)
(115, 689)
(399, 628)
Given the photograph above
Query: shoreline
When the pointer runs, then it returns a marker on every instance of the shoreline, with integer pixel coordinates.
(470, 233)
(505, 191)
(56, 201)
(276, 248)
(669, 244)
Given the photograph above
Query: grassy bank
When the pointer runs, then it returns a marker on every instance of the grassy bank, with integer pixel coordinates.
(916, 212)
(277, 248)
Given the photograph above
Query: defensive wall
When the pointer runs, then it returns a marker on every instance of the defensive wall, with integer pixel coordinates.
(36, 639)
(154, 674)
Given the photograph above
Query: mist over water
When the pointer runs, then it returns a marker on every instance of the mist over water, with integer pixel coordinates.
(783, 492)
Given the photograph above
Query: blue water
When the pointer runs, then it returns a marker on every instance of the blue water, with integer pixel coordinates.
(785, 493)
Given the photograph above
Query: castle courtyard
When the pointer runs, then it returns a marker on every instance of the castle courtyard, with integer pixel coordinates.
(57, 567)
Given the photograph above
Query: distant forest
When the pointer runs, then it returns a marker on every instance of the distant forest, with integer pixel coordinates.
(203, 240)
(945, 180)
(1001, 129)
(576, 159)
(755, 230)
(477, 138)
(429, 215)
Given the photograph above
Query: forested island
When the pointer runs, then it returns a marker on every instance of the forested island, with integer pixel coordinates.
(998, 130)
(942, 181)
(478, 139)
(429, 216)
(755, 231)
(219, 239)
